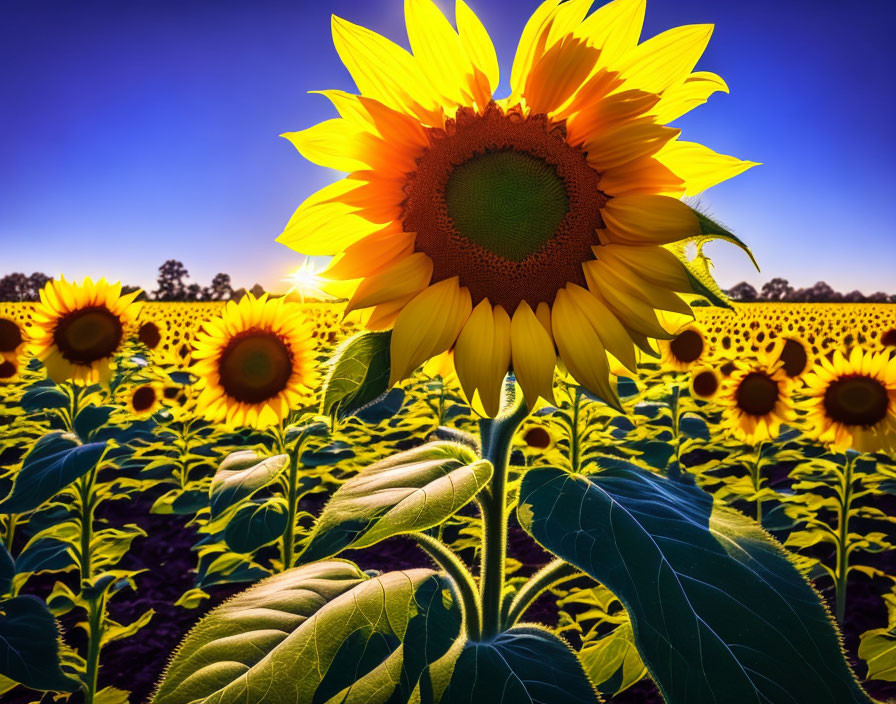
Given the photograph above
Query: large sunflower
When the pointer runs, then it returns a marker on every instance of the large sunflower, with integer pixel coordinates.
(77, 330)
(256, 361)
(757, 399)
(852, 401)
(512, 229)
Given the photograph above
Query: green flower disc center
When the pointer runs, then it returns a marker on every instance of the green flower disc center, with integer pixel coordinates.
(509, 202)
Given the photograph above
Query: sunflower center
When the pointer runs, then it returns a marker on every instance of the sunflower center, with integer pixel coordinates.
(255, 366)
(687, 347)
(87, 335)
(10, 335)
(794, 357)
(143, 399)
(888, 339)
(706, 383)
(509, 202)
(501, 201)
(537, 438)
(149, 335)
(757, 394)
(7, 370)
(856, 400)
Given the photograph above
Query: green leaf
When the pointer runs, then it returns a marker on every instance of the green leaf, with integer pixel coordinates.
(55, 462)
(359, 374)
(405, 493)
(254, 525)
(313, 634)
(525, 664)
(719, 612)
(29, 648)
(240, 475)
(878, 649)
(44, 396)
(612, 662)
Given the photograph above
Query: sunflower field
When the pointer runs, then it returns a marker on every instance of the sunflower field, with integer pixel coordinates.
(522, 448)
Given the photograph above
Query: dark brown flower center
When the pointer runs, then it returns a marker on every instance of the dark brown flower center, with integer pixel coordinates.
(706, 383)
(143, 399)
(757, 394)
(504, 203)
(538, 438)
(687, 347)
(794, 357)
(889, 338)
(87, 335)
(727, 369)
(10, 335)
(255, 366)
(7, 370)
(856, 400)
(149, 335)
(171, 392)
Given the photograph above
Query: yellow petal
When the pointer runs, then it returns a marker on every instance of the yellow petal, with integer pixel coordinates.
(371, 254)
(409, 275)
(322, 225)
(645, 176)
(326, 144)
(646, 219)
(654, 264)
(614, 28)
(629, 309)
(685, 96)
(477, 44)
(700, 166)
(665, 59)
(629, 141)
(581, 349)
(534, 357)
(428, 326)
(384, 71)
(558, 74)
(482, 355)
(608, 114)
(606, 326)
(654, 296)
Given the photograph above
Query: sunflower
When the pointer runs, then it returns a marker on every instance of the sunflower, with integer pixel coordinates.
(9, 370)
(255, 362)
(796, 356)
(705, 382)
(78, 329)
(757, 398)
(684, 350)
(12, 340)
(517, 229)
(852, 401)
(144, 400)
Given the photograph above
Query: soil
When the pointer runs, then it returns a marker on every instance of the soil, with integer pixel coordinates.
(135, 664)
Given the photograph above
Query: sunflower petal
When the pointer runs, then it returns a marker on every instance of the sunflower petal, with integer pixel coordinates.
(685, 96)
(407, 276)
(700, 166)
(667, 58)
(534, 357)
(477, 43)
(646, 219)
(482, 355)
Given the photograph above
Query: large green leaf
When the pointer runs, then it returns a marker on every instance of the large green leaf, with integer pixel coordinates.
(240, 475)
(29, 646)
(256, 524)
(525, 664)
(314, 634)
(719, 612)
(405, 493)
(56, 460)
(359, 374)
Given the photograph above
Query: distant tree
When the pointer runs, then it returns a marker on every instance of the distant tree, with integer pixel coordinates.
(822, 292)
(193, 292)
(257, 290)
(775, 290)
(742, 292)
(892, 298)
(172, 281)
(854, 297)
(18, 287)
(36, 282)
(220, 289)
(877, 297)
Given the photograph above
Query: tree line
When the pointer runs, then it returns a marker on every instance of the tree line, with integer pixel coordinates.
(172, 285)
(779, 289)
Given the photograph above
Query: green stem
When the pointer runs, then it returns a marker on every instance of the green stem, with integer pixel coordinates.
(292, 492)
(549, 575)
(460, 576)
(574, 449)
(87, 504)
(10, 531)
(494, 509)
(95, 610)
(756, 477)
(842, 570)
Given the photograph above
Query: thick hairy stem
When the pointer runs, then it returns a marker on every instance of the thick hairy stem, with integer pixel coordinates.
(95, 612)
(549, 575)
(292, 500)
(463, 581)
(500, 433)
(842, 571)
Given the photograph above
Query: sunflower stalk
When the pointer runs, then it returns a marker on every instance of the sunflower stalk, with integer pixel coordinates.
(497, 436)
(844, 508)
(464, 584)
(548, 576)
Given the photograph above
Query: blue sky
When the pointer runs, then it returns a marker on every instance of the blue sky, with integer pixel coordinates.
(135, 132)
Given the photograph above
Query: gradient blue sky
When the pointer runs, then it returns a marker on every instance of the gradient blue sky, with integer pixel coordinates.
(133, 132)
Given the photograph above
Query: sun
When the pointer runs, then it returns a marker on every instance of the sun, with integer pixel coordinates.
(306, 282)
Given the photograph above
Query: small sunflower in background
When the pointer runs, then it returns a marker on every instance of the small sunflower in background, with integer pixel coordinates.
(686, 349)
(145, 399)
(12, 340)
(706, 382)
(149, 334)
(515, 230)
(852, 401)
(795, 355)
(9, 370)
(255, 362)
(77, 329)
(757, 399)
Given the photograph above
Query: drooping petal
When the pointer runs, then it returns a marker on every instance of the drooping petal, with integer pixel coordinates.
(611, 332)
(629, 141)
(407, 276)
(427, 326)
(533, 355)
(482, 355)
(700, 166)
(646, 219)
(654, 264)
(645, 176)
